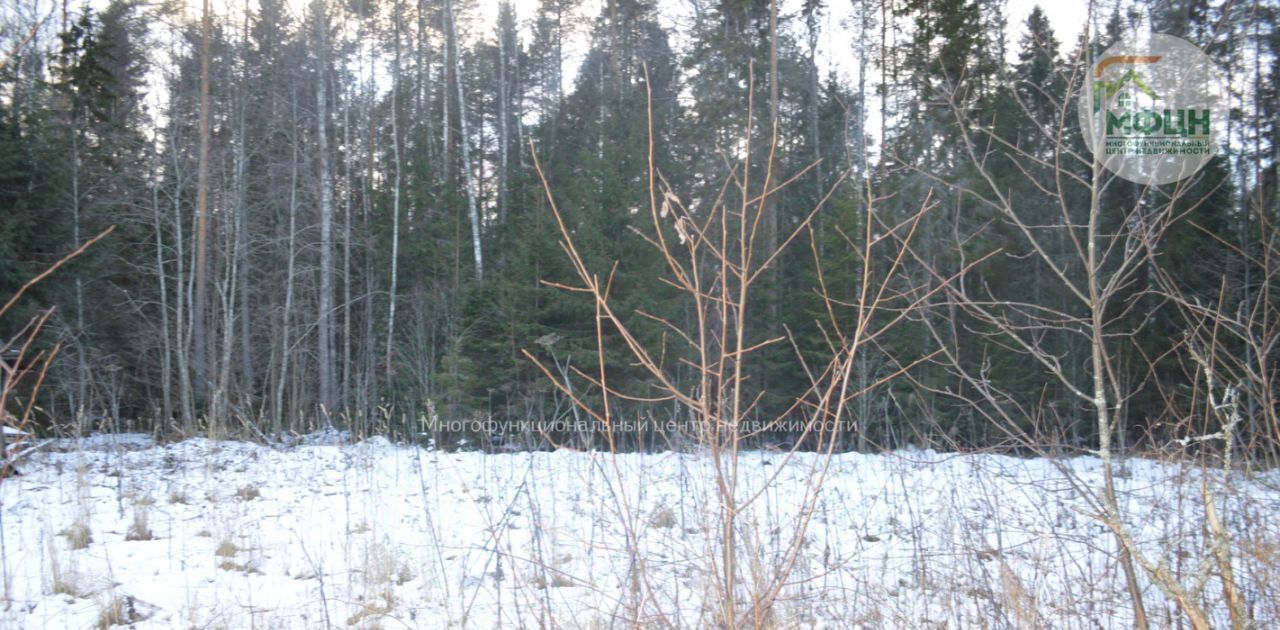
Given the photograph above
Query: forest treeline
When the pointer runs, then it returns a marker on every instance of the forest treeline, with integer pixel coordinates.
(334, 217)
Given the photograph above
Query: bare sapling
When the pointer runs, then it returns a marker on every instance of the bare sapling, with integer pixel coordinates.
(1096, 253)
(18, 356)
(716, 258)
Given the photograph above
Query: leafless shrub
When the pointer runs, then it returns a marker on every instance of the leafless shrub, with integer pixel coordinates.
(717, 260)
(1095, 272)
(12, 373)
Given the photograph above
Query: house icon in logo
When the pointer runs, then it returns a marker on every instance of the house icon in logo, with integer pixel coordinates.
(1104, 91)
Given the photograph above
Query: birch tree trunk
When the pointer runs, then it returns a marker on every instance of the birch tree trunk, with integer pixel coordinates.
(166, 343)
(82, 360)
(285, 348)
(324, 319)
(202, 214)
(182, 312)
(503, 96)
(242, 255)
(464, 141)
(1101, 365)
(395, 196)
(446, 72)
(344, 388)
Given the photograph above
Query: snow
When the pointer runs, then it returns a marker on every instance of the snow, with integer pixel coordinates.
(323, 532)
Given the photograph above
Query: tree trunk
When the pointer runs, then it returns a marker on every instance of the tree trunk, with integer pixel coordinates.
(324, 319)
(344, 390)
(242, 261)
(279, 406)
(1098, 361)
(504, 139)
(82, 358)
(220, 417)
(166, 343)
(395, 198)
(446, 127)
(770, 207)
(202, 214)
(464, 141)
(182, 312)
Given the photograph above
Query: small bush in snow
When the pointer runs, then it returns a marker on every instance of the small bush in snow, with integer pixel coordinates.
(662, 518)
(111, 613)
(68, 583)
(139, 530)
(226, 549)
(78, 535)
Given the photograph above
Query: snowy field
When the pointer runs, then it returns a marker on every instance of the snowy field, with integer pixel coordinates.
(203, 534)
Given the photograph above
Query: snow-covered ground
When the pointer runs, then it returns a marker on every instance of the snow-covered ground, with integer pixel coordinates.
(203, 534)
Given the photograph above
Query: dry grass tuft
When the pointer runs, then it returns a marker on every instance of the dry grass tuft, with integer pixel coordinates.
(69, 583)
(139, 530)
(662, 518)
(1018, 599)
(226, 549)
(370, 609)
(124, 610)
(111, 613)
(243, 567)
(248, 492)
(78, 535)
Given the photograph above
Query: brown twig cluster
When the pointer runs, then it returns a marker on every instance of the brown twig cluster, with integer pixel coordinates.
(1099, 270)
(717, 259)
(20, 357)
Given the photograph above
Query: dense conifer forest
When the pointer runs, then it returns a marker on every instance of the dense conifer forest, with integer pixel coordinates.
(339, 213)
(639, 314)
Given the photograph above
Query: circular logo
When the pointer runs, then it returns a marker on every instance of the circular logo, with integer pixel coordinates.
(1150, 109)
